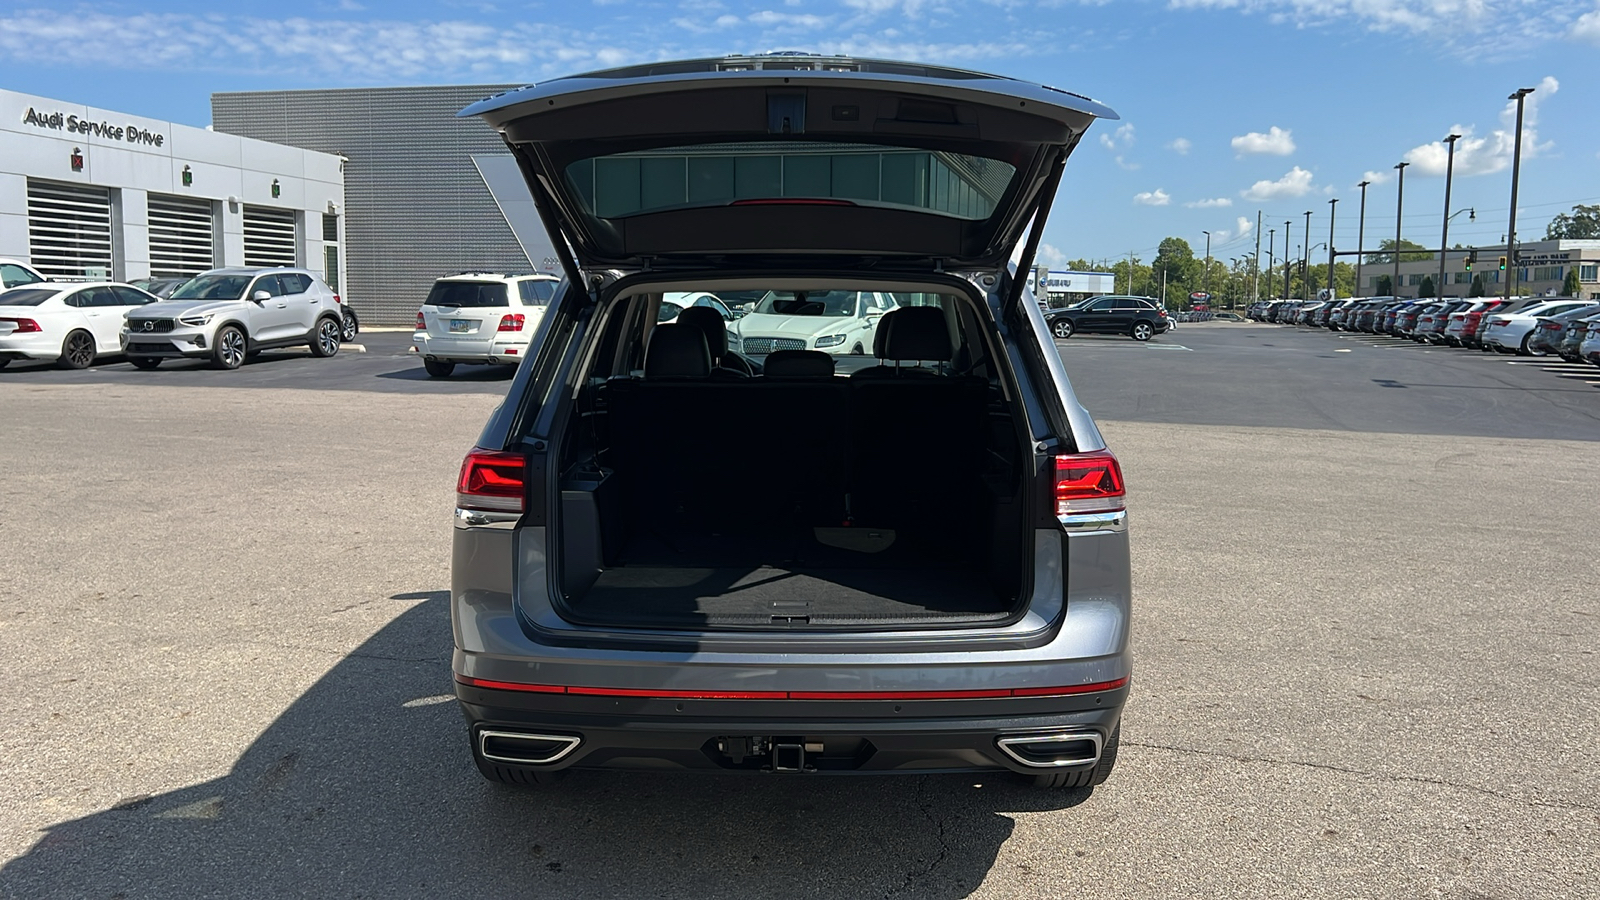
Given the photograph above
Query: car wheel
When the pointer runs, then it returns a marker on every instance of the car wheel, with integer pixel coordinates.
(229, 349)
(350, 327)
(512, 775)
(1528, 348)
(1143, 331)
(326, 342)
(4, 362)
(1078, 778)
(438, 369)
(145, 362)
(1062, 328)
(77, 351)
(858, 349)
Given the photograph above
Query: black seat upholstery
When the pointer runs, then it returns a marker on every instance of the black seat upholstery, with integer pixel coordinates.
(676, 351)
(909, 334)
(783, 365)
(723, 363)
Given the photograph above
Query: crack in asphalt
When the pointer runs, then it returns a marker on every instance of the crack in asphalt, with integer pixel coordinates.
(944, 845)
(1388, 776)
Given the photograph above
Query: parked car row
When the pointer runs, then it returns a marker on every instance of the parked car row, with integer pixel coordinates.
(1530, 326)
(1140, 318)
(224, 316)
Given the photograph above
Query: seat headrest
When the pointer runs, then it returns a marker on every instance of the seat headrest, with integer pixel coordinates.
(797, 364)
(677, 351)
(915, 332)
(709, 321)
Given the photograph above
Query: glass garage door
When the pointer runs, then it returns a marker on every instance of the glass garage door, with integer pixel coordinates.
(180, 237)
(269, 236)
(69, 230)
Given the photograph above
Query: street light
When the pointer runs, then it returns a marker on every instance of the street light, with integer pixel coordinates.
(1207, 280)
(1516, 166)
(1444, 239)
(1331, 210)
(1399, 207)
(1272, 256)
(1286, 227)
(1305, 263)
(1361, 233)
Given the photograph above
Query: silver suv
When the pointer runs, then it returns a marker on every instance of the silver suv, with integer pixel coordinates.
(227, 315)
(671, 554)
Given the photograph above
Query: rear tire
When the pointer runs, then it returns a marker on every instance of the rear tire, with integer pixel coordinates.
(325, 342)
(437, 369)
(1062, 328)
(145, 362)
(1143, 331)
(77, 351)
(1527, 347)
(350, 327)
(1079, 778)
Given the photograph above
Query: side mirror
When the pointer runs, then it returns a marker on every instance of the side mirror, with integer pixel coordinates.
(260, 297)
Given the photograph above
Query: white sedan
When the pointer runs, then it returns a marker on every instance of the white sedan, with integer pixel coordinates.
(70, 324)
(836, 322)
(1511, 333)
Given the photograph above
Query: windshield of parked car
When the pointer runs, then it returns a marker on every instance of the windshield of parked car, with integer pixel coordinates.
(27, 296)
(816, 303)
(468, 293)
(213, 287)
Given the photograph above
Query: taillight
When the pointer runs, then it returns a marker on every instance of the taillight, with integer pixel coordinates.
(1550, 326)
(336, 299)
(490, 480)
(1088, 482)
(1498, 321)
(421, 325)
(24, 326)
(512, 322)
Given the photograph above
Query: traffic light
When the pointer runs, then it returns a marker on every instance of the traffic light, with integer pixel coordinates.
(1502, 263)
(1471, 258)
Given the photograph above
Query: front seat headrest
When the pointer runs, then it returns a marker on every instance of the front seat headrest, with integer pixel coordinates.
(677, 351)
(915, 332)
(797, 364)
(709, 321)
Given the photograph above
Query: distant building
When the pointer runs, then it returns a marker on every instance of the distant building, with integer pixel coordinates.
(1540, 268)
(1061, 288)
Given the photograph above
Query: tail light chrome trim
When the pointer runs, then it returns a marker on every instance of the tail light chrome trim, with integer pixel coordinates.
(1095, 523)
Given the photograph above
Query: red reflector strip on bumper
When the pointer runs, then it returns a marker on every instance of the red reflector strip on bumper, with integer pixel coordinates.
(981, 694)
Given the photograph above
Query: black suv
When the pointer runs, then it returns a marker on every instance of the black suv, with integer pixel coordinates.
(1140, 318)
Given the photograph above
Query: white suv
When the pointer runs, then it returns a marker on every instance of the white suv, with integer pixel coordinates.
(16, 273)
(227, 315)
(480, 318)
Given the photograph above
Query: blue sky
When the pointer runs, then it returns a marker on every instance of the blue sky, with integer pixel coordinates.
(1228, 106)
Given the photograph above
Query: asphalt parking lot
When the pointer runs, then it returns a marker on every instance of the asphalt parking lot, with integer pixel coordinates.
(1365, 637)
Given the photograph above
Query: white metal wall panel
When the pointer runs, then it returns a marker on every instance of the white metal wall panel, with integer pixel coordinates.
(269, 236)
(181, 237)
(69, 229)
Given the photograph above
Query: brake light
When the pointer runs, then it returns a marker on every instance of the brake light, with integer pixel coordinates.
(1497, 321)
(24, 326)
(1088, 482)
(336, 299)
(421, 325)
(512, 322)
(490, 480)
(1550, 326)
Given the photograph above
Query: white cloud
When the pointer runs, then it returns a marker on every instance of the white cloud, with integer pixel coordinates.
(1489, 153)
(1051, 255)
(1277, 142)
(1295, 183)
(1209, 203)
(1180, 146)
(1157, 197)
(1121, 139)
(772, 19)
(1377, 177)
(1587, 27)
(1244, 226)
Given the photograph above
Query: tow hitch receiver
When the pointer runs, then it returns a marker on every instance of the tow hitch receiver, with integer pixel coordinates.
(783, 754)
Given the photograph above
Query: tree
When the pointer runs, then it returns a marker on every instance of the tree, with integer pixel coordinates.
(1385, 286)
(1478, 289)
(1583, 222)
(1388, 256)
(1426, 288)
(1571, 287)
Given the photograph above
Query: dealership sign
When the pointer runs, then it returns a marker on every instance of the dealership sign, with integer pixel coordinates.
(58, 121)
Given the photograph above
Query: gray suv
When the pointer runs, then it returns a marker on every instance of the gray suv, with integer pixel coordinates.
(670, 554)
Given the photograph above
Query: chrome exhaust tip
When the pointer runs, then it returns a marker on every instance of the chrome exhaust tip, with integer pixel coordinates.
(523, 749)
(1054, 751)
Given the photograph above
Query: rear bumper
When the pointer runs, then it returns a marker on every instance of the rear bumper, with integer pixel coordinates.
(469, 352)
(32, 346)
(827, 736)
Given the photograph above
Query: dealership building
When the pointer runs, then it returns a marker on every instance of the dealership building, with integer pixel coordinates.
(1539, 268)
(89, 193)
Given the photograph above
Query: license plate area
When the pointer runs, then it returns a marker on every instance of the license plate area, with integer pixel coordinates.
(463, 326)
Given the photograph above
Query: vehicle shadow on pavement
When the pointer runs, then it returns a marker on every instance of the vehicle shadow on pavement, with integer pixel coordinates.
(364, 786)
(464, 373)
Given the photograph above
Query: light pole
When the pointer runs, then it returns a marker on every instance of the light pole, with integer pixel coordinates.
(1305, 264)
(1207, 280)
(1272, 254)
(1444, 238)
(1255, 262)
(1332, 208)
(1361, 233)
(1516, 166)
(1286, 226)
(1399, 207)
